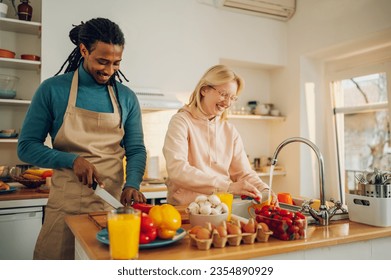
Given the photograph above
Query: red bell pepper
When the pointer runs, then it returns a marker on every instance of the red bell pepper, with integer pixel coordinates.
(143, 207)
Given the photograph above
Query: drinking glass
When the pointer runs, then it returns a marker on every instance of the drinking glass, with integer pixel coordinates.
(226, 198)
(123, 226)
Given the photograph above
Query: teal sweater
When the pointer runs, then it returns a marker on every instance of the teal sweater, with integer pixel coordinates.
(46, 112)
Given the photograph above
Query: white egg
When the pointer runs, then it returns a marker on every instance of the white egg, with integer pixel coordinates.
(205, 210)
(201, 198)
(214, 199)
(224, 208)
(215, 211)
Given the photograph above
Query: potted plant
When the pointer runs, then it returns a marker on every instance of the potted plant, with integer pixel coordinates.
(4, 8)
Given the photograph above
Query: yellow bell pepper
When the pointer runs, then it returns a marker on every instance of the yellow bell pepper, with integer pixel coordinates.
(167, 218)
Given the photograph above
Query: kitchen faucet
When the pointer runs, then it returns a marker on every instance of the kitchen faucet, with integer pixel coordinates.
(324, 214)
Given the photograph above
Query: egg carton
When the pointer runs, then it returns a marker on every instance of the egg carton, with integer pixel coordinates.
(232, 239)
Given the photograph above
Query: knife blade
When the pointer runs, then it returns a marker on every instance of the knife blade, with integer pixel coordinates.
(106, 196)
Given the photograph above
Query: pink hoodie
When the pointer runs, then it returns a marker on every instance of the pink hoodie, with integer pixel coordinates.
(203, 156)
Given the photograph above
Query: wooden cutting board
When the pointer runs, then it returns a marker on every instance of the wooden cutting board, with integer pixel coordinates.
(99, 219)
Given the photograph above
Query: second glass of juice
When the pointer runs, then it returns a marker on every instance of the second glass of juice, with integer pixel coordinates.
(226, 198)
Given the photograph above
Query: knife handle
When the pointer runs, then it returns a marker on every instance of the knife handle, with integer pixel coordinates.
(94, 185)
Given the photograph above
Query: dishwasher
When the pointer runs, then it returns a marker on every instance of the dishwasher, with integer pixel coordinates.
(19, 229)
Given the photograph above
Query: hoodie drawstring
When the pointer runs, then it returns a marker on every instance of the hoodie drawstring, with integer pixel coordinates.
(209, 151)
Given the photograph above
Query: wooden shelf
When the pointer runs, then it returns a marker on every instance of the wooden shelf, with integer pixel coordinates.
(256, 117)
(8, 140)
(276, 173)
(20, 26)
(21, 64)
(15, 102)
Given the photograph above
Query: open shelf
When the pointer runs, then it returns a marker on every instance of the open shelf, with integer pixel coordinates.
(20, 26)
(256, 117)
(21, 64)
(15, 102)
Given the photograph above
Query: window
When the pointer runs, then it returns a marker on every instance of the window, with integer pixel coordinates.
(362, 124)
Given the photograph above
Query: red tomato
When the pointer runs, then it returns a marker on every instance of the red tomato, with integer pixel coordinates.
(148, 230)
(293, 229)
(287, 220)
(144, 238)
(146, 223)
(283, 212)
(47, 173)
(300, 215)
(284, 236)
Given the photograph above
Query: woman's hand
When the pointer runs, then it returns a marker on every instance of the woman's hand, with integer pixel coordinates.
(86, 172)
(243, 187)
(131, 195)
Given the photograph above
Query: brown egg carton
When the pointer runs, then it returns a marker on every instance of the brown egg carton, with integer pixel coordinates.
(201, 244)
(231, 239)
(261, 235)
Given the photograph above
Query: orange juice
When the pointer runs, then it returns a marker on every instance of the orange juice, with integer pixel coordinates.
(123, 226)
(227, 198)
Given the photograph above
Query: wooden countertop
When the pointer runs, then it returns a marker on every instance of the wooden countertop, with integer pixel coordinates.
(23, 193)
(33, 193)
(338, 232)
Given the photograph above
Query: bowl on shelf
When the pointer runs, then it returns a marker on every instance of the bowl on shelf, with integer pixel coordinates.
(29, 183)
(6, 53)
(8, 86)
(8, 133)
(30, 57)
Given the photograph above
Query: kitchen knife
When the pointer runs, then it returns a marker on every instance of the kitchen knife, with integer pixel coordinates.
(106, 196)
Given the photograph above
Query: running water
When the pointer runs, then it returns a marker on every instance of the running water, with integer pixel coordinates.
(270, 182)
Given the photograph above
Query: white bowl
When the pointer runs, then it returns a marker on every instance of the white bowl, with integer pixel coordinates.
(201, 220)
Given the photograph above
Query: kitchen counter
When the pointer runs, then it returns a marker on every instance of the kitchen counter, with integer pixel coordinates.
(34, 195)
(335, 236)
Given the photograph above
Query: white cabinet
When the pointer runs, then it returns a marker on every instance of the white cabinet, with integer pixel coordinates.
(21, 37)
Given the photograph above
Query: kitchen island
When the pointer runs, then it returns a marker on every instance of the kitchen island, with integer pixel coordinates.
(340, 240)
(22, 212)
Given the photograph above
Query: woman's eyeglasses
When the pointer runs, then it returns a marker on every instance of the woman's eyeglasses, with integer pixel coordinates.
(225, 95)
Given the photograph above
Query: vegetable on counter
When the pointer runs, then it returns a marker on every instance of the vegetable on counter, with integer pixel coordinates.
(148, 230)
(167, 219)
(143, 207)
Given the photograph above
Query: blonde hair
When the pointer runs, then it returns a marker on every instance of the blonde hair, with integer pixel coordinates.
(215, 76)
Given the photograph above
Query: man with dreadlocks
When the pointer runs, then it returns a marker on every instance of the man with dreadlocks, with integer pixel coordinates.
(94, 121)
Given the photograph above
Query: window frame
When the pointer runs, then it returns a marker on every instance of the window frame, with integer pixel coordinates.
(374, 61)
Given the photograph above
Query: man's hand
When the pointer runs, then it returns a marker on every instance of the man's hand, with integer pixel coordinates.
(86, 172)
(131, 195)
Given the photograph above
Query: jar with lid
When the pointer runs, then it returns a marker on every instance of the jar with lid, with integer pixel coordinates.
(25, 11)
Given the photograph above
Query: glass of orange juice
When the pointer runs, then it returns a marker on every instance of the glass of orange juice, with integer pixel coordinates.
(226, 198)
(123, 225)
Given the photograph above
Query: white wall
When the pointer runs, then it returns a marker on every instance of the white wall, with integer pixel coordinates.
(170, 43)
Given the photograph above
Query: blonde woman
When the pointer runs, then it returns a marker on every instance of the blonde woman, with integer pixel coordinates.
(204, 152)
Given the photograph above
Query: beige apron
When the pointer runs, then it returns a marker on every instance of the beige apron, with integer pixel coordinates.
(96, 137)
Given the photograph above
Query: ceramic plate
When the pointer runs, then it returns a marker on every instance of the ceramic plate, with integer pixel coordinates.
(103, 237)
(12, 189)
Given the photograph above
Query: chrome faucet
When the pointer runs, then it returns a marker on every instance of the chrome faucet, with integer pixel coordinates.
(324, 214)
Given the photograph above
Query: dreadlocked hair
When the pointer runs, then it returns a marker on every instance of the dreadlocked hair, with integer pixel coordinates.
(88, 34)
